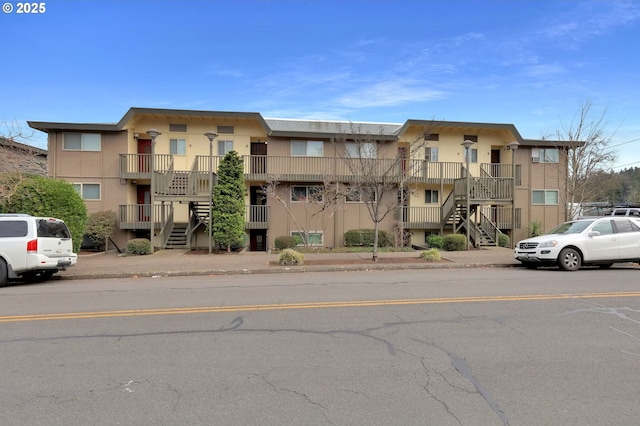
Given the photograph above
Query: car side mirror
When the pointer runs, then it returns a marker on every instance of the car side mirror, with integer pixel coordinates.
(594, 233)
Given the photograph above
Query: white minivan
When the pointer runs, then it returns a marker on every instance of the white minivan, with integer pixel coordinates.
(33, 248)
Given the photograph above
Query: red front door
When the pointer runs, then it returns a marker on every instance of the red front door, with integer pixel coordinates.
(144, 147)
(144, 203)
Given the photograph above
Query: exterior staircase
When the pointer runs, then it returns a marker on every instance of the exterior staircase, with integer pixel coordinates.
(178, 237)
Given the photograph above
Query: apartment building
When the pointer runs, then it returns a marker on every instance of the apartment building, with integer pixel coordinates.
(156, 168)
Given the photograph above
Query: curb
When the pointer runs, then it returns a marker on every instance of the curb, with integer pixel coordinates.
(283, 270)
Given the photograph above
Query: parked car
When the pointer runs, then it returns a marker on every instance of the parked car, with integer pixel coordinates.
(33, 248)
(626, 211)
(603, 242)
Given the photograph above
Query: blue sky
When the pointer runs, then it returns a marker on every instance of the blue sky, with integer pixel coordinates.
(529, 63)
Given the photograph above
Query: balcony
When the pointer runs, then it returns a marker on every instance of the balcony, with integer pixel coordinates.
(300, 169)
(137, 216)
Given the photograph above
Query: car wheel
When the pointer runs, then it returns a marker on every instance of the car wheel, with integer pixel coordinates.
(530, 265)
(4, 273)
(605, 265)
(569, 259)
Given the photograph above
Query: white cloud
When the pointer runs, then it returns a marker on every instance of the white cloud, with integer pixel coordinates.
(390, 93)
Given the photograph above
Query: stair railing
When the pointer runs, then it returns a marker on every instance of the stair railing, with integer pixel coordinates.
(167, 226)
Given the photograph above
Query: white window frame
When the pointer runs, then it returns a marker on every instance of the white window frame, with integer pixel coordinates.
(86, 141)
(307, 197)
(547, 193)
(431, 154)
(354, 196)
(545, 155)
(361, 150)
(310, 236)
(473, 155)
(178, 146)
(429, 199)
(311, 148)
(80, 187)
(224, 147)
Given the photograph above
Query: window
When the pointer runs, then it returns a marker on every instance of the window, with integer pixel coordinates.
(81, 141)
(432, 137)
(355, 195)
(314, 238)
(14, 228)
(177, 127)
(361, 150)
(312, 194)
(545, 155)
(431, 196)
(604, 227)
(545, 197)
(225, 129)
(473, 155)
(307, 148)
(88, 191)
(624, 226)
(178, 146)
(224, 147)
(431, 154)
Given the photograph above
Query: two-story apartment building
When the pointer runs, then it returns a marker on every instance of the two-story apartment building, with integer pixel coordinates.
(156, 167)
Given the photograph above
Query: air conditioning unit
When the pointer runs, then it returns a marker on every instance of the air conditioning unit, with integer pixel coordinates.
(535, 159)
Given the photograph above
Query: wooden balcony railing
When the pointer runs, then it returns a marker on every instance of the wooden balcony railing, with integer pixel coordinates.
(138, 216)
(484, 189)
(256, 217)
(310, 169)
(421, 217)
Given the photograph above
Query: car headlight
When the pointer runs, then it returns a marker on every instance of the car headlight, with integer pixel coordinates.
(550, 243)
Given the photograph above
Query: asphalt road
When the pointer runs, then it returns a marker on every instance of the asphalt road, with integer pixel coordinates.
(440, 347)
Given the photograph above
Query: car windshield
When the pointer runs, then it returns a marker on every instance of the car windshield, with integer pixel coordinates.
(571, 227)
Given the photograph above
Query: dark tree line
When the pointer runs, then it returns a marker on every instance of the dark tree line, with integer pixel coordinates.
(616, 188)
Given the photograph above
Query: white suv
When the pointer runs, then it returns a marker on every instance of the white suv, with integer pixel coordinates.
(33, 248)
(601, 242)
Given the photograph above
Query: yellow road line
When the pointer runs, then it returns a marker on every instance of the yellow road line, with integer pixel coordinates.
(310, 305)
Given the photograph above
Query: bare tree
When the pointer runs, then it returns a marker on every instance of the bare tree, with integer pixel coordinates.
(589, 153)
(320, 205)
(19, 159)
(379, 171)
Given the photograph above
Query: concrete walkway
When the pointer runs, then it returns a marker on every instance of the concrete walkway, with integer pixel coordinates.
(182, 263)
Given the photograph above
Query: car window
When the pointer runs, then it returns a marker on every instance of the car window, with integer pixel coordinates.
(13, 228)
(624, 226)
(52, 229)
(604, 227)
(620, 212)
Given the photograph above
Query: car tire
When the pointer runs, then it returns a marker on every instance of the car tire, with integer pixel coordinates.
(569, 259)
(4, 273)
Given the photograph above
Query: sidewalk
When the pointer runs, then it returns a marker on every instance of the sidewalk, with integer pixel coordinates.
(183, 263)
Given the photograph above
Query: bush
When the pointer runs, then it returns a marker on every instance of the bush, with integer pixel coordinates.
(40, 196)
(534, 229)
(139, 246)
(100, 226)
(290, 257)
(285, 242)
(435, 241)
(454, 242)
(504, 240)
(364, 237)
(431, 255)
